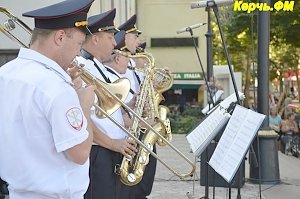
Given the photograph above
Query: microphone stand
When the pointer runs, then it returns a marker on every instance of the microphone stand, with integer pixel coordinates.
(216, 12)
(201, 66)
(209, 50)
(209, 47)
(214, 6)
(211, 99)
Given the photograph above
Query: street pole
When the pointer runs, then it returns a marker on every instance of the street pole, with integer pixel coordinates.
(267, 170)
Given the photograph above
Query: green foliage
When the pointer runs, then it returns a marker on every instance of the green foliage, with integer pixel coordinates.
(240, 29)
(285, 41)
(183, 123)
(285, 26)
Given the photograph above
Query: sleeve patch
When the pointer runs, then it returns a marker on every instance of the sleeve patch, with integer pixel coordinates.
(75, 118)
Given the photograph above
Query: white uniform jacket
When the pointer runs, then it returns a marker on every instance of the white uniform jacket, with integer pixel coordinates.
(40, 118)
(106, 125)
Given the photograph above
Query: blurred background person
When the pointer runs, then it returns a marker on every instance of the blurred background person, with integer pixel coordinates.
(274, 119)
(289, 127)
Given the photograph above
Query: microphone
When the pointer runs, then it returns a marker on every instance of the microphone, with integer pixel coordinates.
(189, 28)
(205, 3)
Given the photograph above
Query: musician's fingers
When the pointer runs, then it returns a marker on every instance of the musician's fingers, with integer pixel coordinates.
(132, 144)
(77, 83)
(73, 69)
(129, 152)
(131, 141)
(123, 152)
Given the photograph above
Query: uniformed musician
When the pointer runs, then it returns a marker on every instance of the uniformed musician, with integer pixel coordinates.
(3, 189)
(45, 128)
(132, 41)
(140, 62)
(110, 143)
(142, 189)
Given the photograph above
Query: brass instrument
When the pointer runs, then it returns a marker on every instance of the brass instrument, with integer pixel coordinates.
(106, 100)
(161, 81)
(111, 94)
(10, 24)
(132, 170)
(119, 88)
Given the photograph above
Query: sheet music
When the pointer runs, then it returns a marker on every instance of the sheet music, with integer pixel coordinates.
(216, 97)
(228, 100)
(235, 141)
(232, 98)
(202, 135)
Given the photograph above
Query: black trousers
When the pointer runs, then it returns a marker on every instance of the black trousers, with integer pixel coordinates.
(3, 189)
(104, 183)
(144, 188)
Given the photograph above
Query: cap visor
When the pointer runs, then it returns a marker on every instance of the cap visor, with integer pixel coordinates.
(113, 30)
(136, 32)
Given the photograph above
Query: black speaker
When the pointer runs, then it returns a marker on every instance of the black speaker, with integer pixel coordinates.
(214, 179)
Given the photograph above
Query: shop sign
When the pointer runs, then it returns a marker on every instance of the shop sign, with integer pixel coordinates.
(187, 76)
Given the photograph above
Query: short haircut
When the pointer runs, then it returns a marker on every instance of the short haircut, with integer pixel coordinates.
(44, 33)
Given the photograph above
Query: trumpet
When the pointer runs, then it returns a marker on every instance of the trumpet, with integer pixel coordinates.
(10, 24)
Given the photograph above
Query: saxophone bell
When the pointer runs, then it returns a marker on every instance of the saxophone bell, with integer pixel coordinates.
(132, 171)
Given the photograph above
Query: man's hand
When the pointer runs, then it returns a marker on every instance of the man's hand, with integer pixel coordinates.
(86, 97)
(127, 147)
(132, 102)
(127, 120)
(74, 69)
(149, 121)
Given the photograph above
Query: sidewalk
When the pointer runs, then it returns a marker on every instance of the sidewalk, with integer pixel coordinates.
(168, 186)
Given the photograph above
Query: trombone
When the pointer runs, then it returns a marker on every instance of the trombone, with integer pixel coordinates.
(90, 79)
(10, 24)
(109, 100)
(121, 87)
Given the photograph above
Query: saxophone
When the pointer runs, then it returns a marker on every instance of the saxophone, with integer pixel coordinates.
(131, 170)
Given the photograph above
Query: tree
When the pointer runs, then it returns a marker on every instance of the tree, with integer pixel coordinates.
(286, 41)
(285, 26)
(241, 38)
(241, 41)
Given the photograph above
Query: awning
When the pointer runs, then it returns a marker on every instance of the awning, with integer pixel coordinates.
(187, 84)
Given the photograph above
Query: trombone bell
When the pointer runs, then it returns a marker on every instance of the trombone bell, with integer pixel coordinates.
(107, 100)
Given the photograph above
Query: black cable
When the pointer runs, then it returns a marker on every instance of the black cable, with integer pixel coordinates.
(201, 66)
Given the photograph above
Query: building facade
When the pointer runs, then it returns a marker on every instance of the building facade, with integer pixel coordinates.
(157, 19)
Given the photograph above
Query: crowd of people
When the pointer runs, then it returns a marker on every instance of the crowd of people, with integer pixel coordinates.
(53, 144)
(284, 120)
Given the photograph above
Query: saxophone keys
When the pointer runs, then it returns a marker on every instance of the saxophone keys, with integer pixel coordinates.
(142, 159)
(149, 146)
(139, 172)
(131, 177)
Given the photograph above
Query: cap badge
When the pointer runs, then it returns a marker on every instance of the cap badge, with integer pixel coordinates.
(81, 23)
